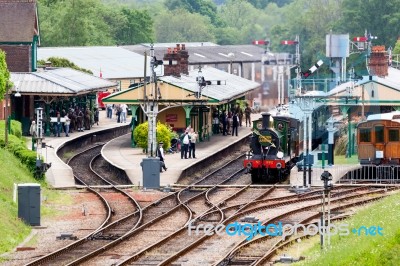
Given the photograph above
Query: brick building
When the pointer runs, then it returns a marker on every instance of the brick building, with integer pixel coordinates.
(19, 37)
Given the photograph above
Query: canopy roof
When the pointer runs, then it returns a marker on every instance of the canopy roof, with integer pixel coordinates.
(224, 88)
(58, 81)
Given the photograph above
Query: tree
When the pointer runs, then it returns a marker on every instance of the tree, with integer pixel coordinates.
(164, 134)
(183, 26)
(396, 49)
(5, 82)
(203, 7)
(248, 22)
(137, 27)
(74, 23)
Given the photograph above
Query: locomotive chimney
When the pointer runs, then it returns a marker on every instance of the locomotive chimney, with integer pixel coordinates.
(265, 119)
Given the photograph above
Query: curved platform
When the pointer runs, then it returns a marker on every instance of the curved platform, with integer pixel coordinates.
(119, 153)
(60, 175)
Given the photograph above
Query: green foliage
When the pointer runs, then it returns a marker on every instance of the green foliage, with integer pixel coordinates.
(5, 82)
(12, 229)
(90, 22)
(63, 62)
(137, 27)
(16, 128)
(396, 49)
(17, 145)
(378, 17)
(183, 26)
(13, 171)
(164, 134)
(205, 8)
(361, 249)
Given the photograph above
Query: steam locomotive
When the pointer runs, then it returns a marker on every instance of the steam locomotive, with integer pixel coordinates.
(274, 149)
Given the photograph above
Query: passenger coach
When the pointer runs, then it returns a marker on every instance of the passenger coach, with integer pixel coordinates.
(378, 139)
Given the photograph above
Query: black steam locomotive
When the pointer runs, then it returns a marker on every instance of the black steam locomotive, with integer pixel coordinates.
(274, 149)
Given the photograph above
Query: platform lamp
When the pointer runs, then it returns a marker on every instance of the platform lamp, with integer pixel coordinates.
(7, 119)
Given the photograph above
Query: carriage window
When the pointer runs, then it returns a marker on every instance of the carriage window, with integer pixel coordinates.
(365, 135)
(379, 134)
(394, 135)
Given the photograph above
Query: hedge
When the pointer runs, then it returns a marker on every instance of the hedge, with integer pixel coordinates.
(17, 145)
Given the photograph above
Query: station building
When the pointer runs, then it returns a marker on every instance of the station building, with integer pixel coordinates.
(53, 89)
(182, 101)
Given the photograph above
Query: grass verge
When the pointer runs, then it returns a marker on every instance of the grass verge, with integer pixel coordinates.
(359, 248)
(13, 230)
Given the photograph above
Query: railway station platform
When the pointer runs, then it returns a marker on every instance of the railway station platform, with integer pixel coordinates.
(60, 175)
(118, 153)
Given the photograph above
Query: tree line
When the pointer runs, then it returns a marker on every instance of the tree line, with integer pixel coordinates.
(124, 22)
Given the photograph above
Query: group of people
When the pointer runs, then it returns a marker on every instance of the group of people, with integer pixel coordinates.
(120, 110)
(188, 147)
(76, 119)
(188, 143)
(227, 123)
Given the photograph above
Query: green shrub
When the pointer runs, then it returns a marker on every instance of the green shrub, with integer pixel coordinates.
(16, 128)
(164, 134)
(17, 145)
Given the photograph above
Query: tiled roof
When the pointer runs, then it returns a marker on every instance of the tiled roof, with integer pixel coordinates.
(18, 20)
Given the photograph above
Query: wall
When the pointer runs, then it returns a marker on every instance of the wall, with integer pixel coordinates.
(18, 58)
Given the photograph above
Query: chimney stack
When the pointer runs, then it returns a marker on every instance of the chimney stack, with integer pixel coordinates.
(177, 59)
(379, 61)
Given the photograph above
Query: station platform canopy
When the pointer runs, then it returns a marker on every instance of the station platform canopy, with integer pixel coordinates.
(223, 88)
(58, 82)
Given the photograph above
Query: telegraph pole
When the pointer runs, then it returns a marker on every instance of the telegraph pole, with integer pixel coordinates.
(151, 105)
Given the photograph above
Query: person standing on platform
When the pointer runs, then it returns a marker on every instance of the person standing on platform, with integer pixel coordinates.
(160, 154)
(32, 129)
(118, 113)
(66, 125)
(239, 112)
(224, 121)
(96, 116)
(109, 111)
(124, 111)
(58, 124)
(235, 124)
(247, 113)
(80, 119)
(185, 141)
(193, 139)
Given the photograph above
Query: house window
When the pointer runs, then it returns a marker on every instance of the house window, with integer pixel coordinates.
(394, 135)
(365, 135)
(379, 138)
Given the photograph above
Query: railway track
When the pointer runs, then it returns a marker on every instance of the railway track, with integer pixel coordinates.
(160, 230)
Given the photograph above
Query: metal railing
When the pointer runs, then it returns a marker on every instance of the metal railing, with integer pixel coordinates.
(372, 173)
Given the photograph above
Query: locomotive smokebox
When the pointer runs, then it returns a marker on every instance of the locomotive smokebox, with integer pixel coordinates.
(265, 120)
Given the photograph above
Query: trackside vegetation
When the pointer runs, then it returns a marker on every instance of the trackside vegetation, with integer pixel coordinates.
(14, 169)
(363, 249)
